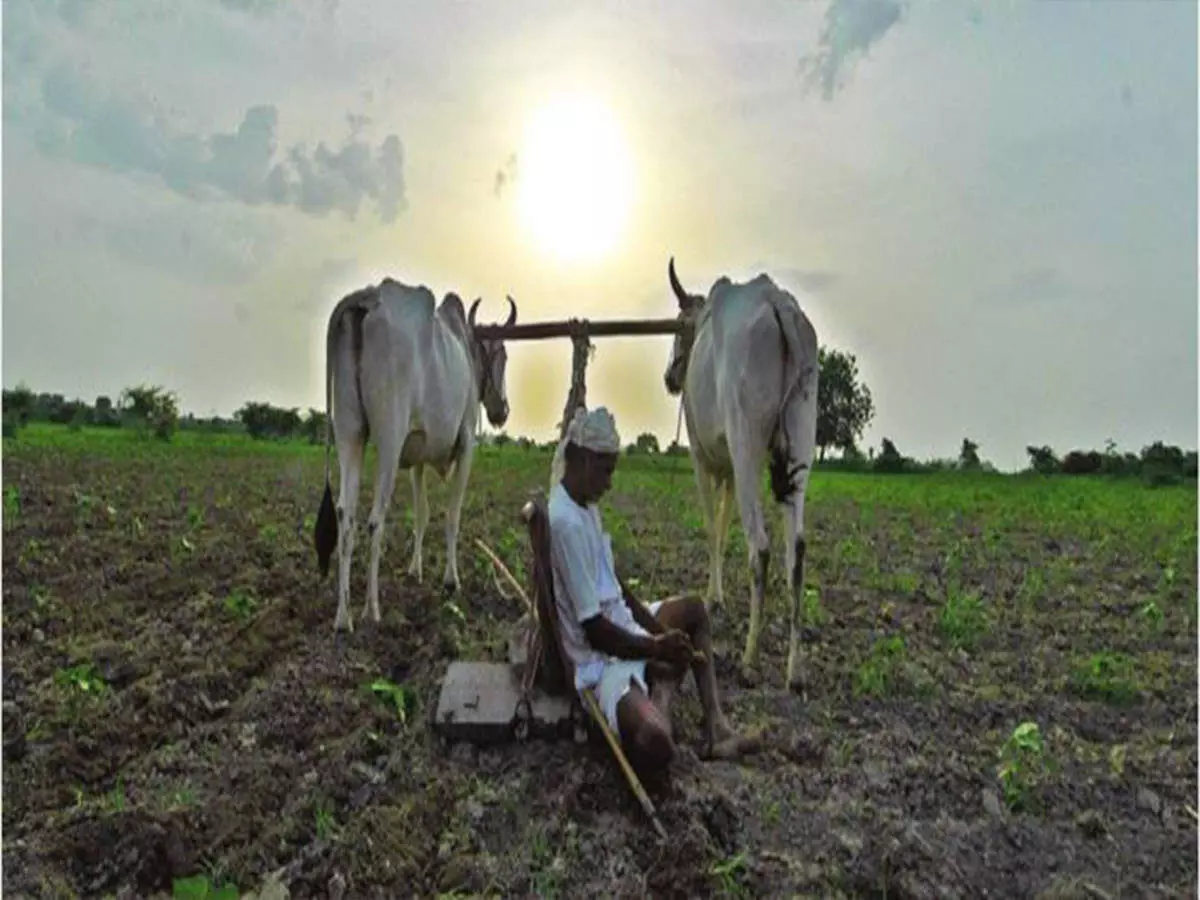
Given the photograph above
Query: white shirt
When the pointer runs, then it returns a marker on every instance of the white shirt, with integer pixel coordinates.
(585, 582)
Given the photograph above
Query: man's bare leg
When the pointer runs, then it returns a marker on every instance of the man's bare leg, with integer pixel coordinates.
(645, 733)
(690, 615)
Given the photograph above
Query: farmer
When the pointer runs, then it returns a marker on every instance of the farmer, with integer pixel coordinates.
(634, 656)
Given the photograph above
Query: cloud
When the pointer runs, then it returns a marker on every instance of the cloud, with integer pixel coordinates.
(808, 280)
(505, 174)
(84, 124)
(1041, 284)
(849, 29)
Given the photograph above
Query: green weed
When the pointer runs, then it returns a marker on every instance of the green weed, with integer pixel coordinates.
(1152, 615)
(814, 613)
(198, 887)
(1111, 677)
(12, 505)
(401, 697)
(879, 673)
(324, 823)
(729, 874)
(1022, 767)
(962, 620)
(241, 605)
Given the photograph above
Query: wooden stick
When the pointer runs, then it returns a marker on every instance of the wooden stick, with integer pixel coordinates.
(511, 578)
(537, 331)
(630, 776)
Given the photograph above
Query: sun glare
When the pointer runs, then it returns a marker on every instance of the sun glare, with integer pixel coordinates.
(575, 182)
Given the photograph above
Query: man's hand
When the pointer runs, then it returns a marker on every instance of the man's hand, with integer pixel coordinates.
(673, 647)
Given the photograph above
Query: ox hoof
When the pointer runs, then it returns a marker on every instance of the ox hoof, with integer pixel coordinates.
(343, 623)
(798, 683)
(450, 587)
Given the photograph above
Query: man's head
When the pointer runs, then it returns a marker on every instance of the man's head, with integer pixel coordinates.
(587, 456)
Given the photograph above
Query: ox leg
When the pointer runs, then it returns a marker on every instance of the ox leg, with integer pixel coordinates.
(420, 520)
(350, 455)
(795, 569)
(801, 423)
(454, 503)
(746, 484)
(723, 505)
(385, 486)
(704, 482)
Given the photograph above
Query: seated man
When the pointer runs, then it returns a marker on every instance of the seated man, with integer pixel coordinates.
(631, 654)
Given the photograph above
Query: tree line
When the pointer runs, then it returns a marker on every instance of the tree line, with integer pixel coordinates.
(844, 410)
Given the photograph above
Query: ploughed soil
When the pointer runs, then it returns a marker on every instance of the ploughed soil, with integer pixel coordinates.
(177, 706)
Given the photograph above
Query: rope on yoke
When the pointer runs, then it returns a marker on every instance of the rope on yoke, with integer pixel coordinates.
(582, 350)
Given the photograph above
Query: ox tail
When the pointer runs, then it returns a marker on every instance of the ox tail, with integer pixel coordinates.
(325, 532)
(783, 470)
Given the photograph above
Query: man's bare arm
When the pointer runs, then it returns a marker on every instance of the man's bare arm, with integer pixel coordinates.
(641, 613)
(612, 639)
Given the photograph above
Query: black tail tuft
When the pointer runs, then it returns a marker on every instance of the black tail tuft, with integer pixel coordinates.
(784, 482)
(325, 533)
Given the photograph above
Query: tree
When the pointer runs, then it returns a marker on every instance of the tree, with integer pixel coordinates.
(968, 456)
(844, 406)
(645, 443)
(313, 427)
(889, 458)
(1042, 460)
(262, 420)
(153, 408)
(104, 413)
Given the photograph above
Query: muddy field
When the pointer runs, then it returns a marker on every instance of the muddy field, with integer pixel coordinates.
(1001, 700)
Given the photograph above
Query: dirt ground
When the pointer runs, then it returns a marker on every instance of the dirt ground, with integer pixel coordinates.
(176, 704)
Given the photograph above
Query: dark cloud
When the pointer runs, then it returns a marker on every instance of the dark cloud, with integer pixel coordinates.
(849, 29)
(127, 135)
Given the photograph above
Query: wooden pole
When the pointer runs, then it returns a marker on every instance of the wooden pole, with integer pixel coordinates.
(537, 331)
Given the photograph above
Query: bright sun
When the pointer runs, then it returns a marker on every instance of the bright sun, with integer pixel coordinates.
(575, 182)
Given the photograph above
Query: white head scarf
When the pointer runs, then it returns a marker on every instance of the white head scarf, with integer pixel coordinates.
(595, 430)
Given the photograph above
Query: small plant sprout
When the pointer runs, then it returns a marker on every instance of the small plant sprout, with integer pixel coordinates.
(12, 505)
(1110, 677)
(324, 822)
(878, 674)
(241, 605)
(401, 697)
(1022, 766)
(1152, 615)
(814, 613)
(962, 620)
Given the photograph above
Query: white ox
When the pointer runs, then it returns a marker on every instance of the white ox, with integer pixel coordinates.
(746, 362)
(410, 377)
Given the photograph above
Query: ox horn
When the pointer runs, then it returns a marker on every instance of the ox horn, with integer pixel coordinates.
(512, 315)
(681, 295)
(474, 308)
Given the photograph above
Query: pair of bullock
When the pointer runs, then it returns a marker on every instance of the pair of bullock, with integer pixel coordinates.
(411, 375)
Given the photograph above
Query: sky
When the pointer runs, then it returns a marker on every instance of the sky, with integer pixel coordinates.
(991, 205)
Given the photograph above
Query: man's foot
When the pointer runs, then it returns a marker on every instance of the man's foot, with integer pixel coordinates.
(725, 743)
